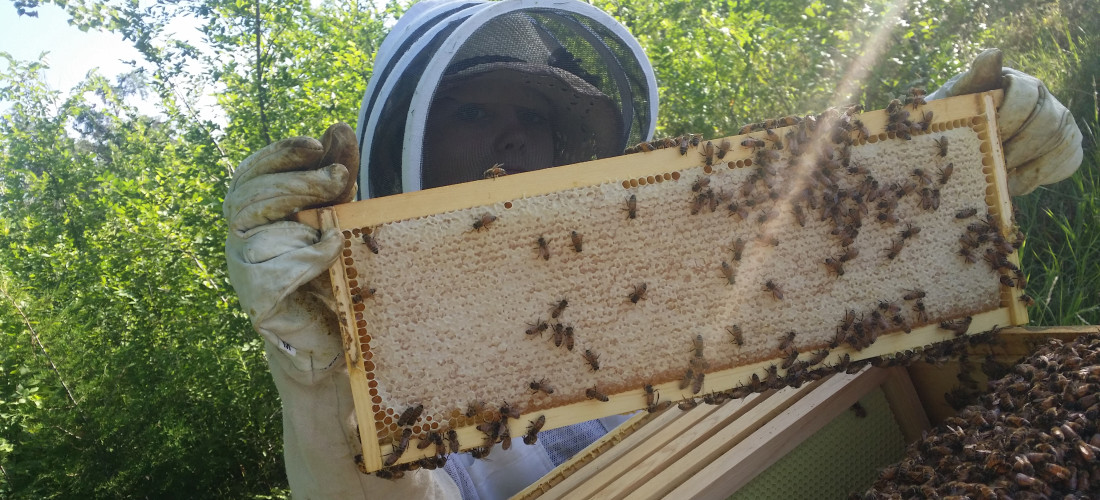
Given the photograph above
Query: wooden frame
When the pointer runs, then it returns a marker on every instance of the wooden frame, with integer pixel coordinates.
(631, 171)
(712, 451)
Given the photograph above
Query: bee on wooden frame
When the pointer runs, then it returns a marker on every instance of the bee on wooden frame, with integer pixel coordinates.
(398, 448)
(723, 148)
(685, 140)
(494, 171)
(452, 440)
(708, 153)
(532, 435)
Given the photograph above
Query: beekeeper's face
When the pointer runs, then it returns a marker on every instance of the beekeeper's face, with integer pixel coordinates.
(482, 123)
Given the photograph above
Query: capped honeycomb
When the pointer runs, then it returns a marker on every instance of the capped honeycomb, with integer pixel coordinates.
(704, 268)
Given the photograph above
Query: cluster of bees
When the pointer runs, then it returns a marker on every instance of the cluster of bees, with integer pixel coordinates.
(1034, 436)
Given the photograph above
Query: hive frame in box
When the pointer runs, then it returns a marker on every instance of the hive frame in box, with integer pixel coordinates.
(633, 173)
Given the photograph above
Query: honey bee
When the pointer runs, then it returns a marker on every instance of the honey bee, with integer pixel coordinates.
(1026, 299)
(861, 129)
(577, 240)
(475, 408)
(966, 213)
(914, 295)
(697, 382)
(398, 448)
(945, 173)
(537, 328)
(688, 404)
(509, 411)
(532, 435)
(723, 148)
(774, 289)
(922, 313)
(544, 249)
(632, 207)
(817, 357)
(959, 327)
(697, 345)
(685, 140)
(1006, 281)
(432, 438)
(922, 176)
(768, 240)
(593, 393)
(930, 199)
(592, 359)
(541, 386)
(708, 153)
(941, 146)
(639, 293)
(567, 336)
(753, 143)
(787, 341)
(850, 253)
(409, 416)
(727, 271)
(452, 440)
(505, 436)
(481, 452)
(910, 231)
(836, 266)
(559, 308)
(799, 215)
(372, 243)
(384, 473)
(559, 334)
(737, 334)
(494, 171)
(700, 184)
(738, 248)
(739, 209)
(484, 222)
(859, 410)
(895, 249)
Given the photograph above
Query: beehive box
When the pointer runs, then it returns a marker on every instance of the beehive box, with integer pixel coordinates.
(714, 269)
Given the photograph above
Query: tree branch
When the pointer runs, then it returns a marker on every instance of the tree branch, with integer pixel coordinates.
(35, 339)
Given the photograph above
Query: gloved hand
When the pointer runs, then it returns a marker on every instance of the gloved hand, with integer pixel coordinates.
(273, 262)
(1042, 143)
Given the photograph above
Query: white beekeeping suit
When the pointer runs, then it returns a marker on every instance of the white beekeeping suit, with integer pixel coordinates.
(599, 93)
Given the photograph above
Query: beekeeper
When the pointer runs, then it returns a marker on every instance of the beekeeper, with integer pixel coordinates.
(458, 87)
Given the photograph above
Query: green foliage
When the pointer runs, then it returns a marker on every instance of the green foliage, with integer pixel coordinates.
(126, 367)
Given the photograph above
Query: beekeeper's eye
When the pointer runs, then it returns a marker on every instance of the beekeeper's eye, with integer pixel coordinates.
(470, 112)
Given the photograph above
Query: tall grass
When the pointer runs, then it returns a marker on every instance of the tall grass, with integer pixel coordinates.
(1057, 42)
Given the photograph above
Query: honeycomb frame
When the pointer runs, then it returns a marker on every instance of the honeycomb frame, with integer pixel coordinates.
(444, 228)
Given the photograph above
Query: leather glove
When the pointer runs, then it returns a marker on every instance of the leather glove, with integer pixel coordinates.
(273, 262)
(1042, 143)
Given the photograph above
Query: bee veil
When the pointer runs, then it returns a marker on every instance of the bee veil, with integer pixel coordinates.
(594, 73)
